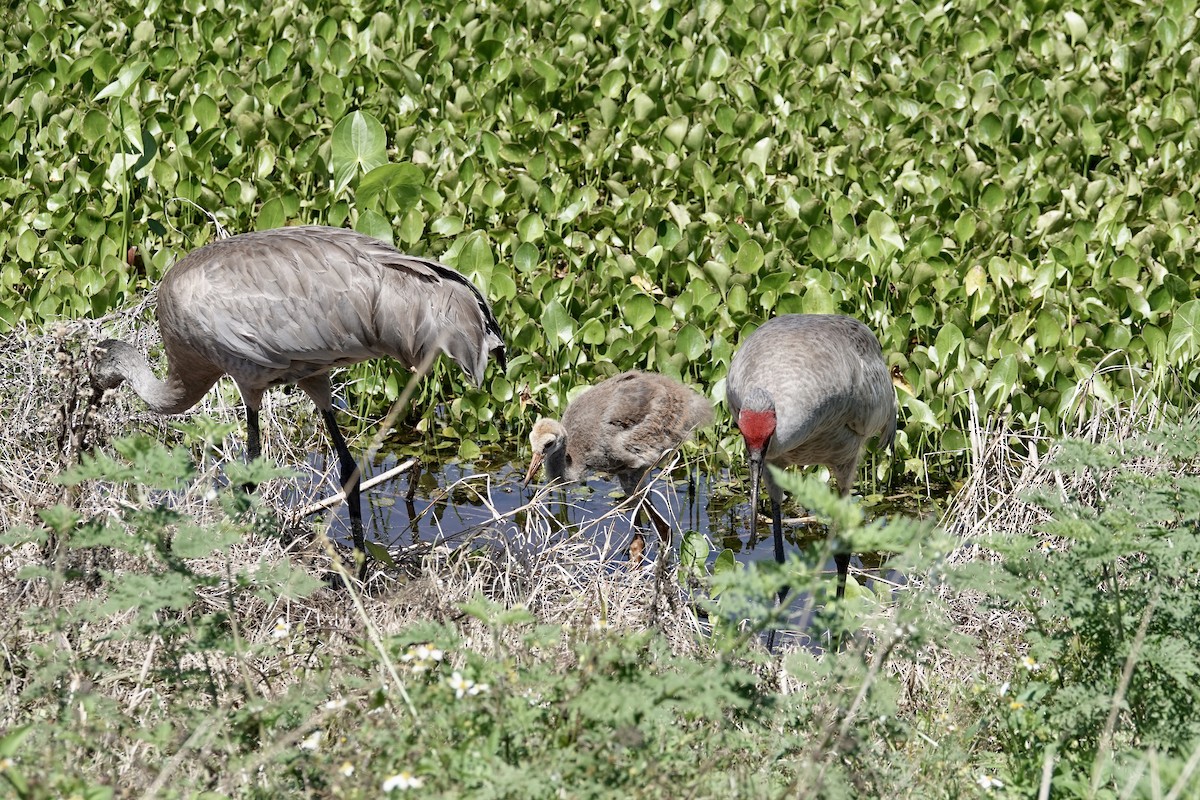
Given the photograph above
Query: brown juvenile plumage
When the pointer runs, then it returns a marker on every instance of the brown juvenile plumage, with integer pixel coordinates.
(621, 427)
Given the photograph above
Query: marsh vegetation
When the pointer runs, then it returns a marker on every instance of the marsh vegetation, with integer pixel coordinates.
(1005, 194)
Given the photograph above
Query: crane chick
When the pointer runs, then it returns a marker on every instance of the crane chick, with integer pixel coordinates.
(622, 427)
(287, 306)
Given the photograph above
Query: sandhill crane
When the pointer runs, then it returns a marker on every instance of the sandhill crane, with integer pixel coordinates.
(809, 389)
(621, 426)
(287, 306)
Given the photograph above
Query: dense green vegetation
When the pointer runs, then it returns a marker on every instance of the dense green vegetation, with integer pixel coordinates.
(1006, 194)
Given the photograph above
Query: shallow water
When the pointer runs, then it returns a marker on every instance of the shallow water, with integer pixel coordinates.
(446, 503)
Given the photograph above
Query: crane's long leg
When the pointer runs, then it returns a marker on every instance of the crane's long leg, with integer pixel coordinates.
(253, 441)
(843, 567)
(253, 434)
(351, 480)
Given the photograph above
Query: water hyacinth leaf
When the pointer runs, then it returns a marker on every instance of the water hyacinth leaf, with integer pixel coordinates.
(125, 81)
(693, 556)
(402, 181)
(820, 242)
(882, 230)
(750, 257)
(447, 226)
(716, 61)
(375, 225)
(359, 143)
(527, 257)
(1001, 382)
(27, 245)
(726, 562)
(1076, 26)
(1183, 342)
(531, 228)
(638, 311)
(557, 323)
(271, 215)
(690, 342)
(475, 258)
(204, 108)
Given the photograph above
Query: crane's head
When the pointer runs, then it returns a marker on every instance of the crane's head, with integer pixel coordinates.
(548, 440)
(756, 421)
(112, 359)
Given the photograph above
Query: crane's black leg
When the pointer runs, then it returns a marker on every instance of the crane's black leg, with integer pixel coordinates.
(253, 441)
(843, 567)
(351, 480)
(777, 528)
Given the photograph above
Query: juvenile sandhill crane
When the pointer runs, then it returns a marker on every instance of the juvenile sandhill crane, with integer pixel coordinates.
(621, 426)
(809, 389)
(287, 306)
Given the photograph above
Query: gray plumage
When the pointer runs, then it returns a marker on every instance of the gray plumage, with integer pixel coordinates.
(287, 306)
(621, 427)
(824, 381)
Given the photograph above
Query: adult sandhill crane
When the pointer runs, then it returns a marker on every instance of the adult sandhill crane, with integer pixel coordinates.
(809, 389)
(621, 426)
(287, 306)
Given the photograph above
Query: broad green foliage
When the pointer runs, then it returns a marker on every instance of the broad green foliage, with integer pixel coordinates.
(1112, 667)
(1006, 194)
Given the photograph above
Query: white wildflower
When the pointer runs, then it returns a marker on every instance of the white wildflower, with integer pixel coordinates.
(312, 741)
(987, 783)
(403, 781)
(459, 684)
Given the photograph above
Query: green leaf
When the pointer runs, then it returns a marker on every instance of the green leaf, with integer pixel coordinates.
(531, 228)
(375, 225)
(693, 555)
(27, 245)
(1076, 26)
(206, 112)
(402, 181)
(820, 242)
(380, 553)
(557, 323)
(11, 741)
(1183, 341)
(638, 311)
(750, 257)
(125, 81)
(882, 230)
(690, 342)
(359, 143)
(271, 215)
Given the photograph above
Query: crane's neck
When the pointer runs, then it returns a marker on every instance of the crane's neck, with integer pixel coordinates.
(182, 389)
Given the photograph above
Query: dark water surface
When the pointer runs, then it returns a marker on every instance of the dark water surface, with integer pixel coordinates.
(446, 503)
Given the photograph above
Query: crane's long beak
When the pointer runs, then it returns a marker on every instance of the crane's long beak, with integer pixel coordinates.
(534, 464)
(756, 462)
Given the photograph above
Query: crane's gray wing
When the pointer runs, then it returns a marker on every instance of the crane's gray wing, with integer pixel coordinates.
(297, 301)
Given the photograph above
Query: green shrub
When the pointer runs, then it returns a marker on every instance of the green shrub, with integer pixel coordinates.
(1109, 583)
